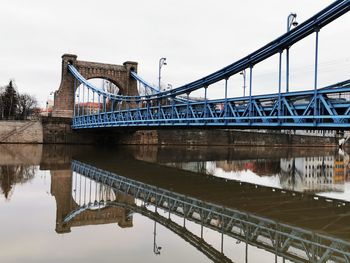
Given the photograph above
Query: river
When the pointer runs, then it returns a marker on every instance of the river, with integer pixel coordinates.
(173, 204)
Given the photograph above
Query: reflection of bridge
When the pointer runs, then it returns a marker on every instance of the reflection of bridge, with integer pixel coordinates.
(67, 201)
(315, 108)
(185, 234)
(290, 242)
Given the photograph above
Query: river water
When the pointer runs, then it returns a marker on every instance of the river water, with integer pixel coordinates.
(173, 204)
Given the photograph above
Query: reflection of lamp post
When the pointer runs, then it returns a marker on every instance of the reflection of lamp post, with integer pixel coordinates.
(162, 61)
(244, 77)
(156, 249)
(291, 21)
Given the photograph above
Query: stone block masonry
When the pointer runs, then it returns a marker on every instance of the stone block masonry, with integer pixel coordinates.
(52, 130)
(117, 74)
(21, 132)
(223, 137)
(59, 131)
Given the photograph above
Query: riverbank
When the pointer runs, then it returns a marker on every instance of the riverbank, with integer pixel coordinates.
(58, 131)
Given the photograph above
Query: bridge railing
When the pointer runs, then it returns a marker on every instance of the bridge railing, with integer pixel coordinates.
(296, 109)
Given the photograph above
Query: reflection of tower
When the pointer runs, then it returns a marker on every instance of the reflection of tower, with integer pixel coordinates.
(86, 210)
(61, 187)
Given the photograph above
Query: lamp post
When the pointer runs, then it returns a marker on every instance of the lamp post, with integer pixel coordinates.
(47, 102)
(291, 21)
(244, 78)
(162, 61)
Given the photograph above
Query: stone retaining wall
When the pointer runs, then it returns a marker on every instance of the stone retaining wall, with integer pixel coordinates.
(223, 137)
(58, 131)
(21, 132)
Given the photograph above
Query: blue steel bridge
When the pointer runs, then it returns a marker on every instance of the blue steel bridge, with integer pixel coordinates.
(317, 107)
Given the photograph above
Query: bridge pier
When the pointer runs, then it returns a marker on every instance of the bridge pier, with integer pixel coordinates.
(117, 74)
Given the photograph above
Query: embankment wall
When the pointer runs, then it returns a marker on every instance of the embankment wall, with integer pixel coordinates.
(58, 131)
(223, 137)
(21, 132)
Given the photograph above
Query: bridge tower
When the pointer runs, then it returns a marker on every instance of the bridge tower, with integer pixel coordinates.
(117, 74)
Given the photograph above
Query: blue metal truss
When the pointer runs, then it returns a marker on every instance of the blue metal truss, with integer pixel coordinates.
(292, 110)
(317, 108)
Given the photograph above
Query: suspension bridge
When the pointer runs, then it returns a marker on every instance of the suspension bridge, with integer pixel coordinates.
(317, 107)
(283, 240)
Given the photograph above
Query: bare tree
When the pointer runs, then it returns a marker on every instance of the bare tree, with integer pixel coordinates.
(26, 105)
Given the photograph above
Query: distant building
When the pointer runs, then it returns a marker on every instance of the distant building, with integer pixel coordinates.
(89, 107)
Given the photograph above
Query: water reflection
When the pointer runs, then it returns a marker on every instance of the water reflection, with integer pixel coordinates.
(218, 200)
(85, 199)
(315, 174)
(286, 241)
(10, 175)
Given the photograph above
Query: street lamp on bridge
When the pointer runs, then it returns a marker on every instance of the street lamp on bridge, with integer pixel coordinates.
(244, 78)
(162, 61)
(291, 21)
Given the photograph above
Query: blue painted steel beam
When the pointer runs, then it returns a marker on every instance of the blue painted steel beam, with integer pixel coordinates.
(280, 110)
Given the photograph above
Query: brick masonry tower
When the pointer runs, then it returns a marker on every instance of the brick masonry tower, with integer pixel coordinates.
(117, 74)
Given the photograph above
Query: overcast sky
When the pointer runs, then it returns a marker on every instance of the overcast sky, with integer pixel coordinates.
(196, 36)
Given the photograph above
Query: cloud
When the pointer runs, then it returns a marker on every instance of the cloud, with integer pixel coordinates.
(197, 37)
